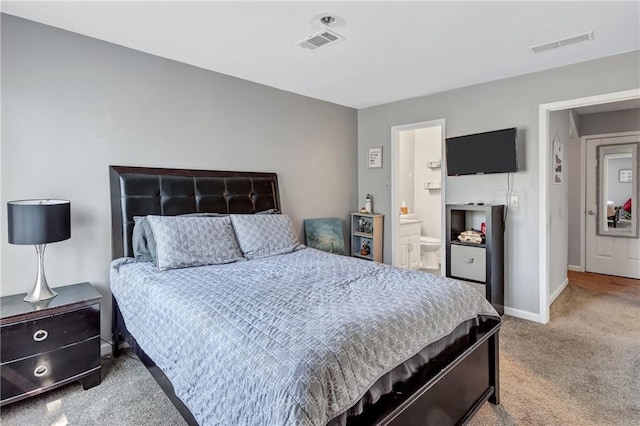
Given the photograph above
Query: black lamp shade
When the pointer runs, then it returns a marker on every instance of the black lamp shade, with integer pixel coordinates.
(38, 221)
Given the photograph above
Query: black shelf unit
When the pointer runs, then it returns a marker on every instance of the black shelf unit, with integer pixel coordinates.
(464, 243)
(477, 263)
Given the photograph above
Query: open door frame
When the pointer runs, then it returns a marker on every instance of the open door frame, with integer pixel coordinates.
(395, 206)
(544, 181)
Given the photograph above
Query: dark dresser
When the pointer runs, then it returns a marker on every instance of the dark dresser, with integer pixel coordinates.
(51, 343)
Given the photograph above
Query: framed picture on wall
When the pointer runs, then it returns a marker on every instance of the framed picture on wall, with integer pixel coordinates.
(557, 162)
(374, 160)
(625, 176)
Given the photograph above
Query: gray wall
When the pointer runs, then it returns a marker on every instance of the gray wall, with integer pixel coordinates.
(627, 120)
(406, 169)
(559, 203)
(72, 105)
(591, 124)
(575, 173)
(495, 105)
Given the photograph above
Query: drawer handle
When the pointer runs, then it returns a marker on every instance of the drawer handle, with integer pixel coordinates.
(40, 370)
(40, 335)
(468, 259)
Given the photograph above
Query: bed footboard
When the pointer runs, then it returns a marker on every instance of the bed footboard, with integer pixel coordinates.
(448, 391)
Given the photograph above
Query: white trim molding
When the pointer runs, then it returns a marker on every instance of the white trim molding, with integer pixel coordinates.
(519, 313)
(575, 268)
(543, 179)
(560, 289)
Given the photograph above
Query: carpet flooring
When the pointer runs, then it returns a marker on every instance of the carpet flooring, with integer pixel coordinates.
(583, 368)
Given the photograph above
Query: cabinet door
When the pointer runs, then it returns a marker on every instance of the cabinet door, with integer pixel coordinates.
(414, 252)
(404, 253)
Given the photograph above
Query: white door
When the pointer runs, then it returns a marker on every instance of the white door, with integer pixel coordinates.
(612, 243)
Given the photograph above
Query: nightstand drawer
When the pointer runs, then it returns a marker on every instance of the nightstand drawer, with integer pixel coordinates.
(33, 337)
(44, 370)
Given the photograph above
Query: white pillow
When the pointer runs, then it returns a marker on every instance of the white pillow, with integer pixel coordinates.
(184, 241)
(264, 235)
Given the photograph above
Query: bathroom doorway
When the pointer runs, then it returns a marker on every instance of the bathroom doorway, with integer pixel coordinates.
(417, 196)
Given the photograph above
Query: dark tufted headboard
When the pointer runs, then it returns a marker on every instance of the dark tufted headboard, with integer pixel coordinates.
(140, 191)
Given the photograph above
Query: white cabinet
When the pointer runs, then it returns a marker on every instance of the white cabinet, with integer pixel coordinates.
(409, 241)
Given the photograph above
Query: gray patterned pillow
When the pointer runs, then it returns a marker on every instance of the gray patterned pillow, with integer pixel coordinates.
(264, 235)
(193, 241)
(143, 242)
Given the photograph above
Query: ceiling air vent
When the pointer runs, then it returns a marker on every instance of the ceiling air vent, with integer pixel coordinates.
(322, 39)
(563, 42)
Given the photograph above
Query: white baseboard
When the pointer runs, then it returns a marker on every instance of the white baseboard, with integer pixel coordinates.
(576, 268)
(532, 316)
(556, 293)
(519, 313)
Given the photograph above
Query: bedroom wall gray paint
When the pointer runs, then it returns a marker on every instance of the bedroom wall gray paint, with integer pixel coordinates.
(575, 173)
(495, 105)
(559, 199)
(627, 120)
(572, 151)
(73, 105)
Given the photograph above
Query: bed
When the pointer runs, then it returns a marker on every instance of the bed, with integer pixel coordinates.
(444, 382)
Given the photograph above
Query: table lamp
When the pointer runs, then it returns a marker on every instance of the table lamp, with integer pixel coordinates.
(39, 222)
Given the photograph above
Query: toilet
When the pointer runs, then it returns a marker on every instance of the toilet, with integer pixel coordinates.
(429, 247)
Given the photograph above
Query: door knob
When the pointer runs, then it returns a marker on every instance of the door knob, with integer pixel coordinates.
(591, 212)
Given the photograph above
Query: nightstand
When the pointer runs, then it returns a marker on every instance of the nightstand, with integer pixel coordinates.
(51, 343)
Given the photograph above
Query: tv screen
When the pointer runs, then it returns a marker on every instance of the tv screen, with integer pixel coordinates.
(482, 153)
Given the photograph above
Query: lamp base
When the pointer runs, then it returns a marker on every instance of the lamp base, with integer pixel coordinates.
(40, 290)
(40, 293)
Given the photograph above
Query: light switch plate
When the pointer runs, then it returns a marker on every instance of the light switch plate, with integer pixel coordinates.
(514, 201)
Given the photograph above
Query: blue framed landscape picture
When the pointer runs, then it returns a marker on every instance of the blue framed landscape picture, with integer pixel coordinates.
(325, 234)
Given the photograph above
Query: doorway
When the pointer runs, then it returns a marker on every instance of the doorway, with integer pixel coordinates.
(611, 197)
(547, 263)
(418, 196)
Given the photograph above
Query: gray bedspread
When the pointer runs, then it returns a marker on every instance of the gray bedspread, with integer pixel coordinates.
(294, 339)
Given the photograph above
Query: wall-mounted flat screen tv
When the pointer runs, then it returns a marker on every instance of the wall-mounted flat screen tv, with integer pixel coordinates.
(482, 153)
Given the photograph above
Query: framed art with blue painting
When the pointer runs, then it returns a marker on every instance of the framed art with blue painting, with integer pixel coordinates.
(325, 234)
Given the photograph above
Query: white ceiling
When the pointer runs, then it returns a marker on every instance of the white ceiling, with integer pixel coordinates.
(393, 50)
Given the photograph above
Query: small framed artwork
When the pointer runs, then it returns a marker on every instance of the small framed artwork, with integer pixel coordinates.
(625, 176)
(375, 158)
(557, 162)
